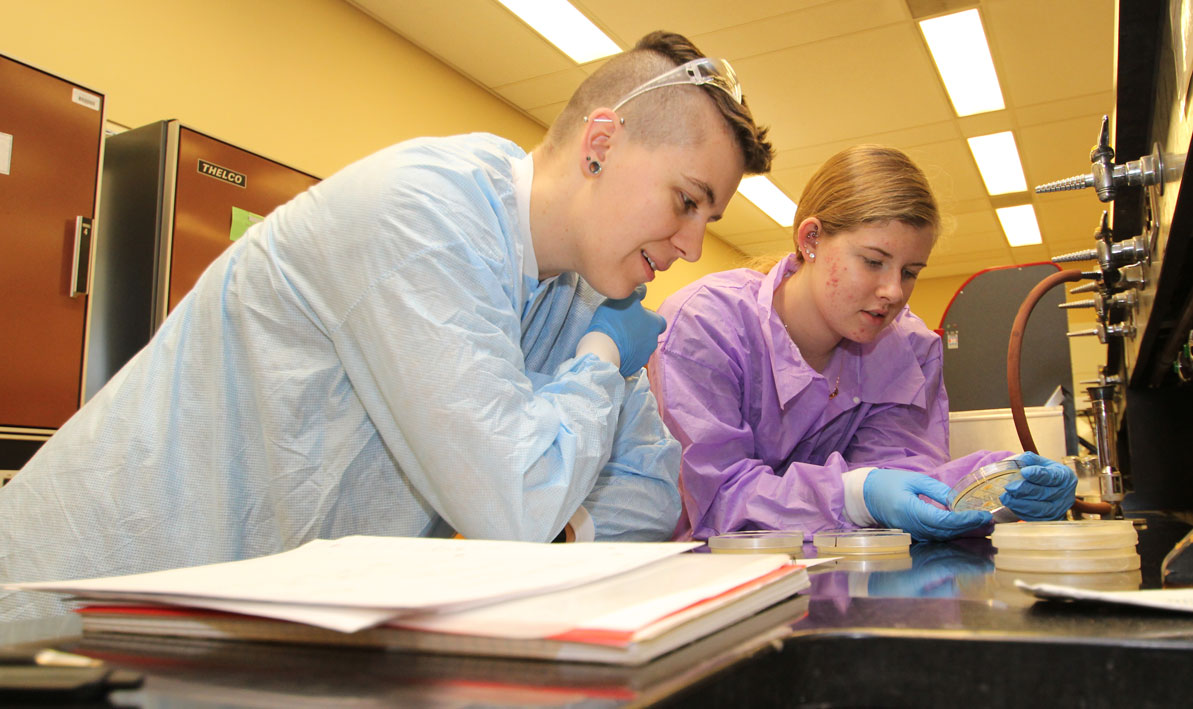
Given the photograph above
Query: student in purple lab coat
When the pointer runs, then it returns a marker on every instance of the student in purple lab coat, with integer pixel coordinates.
(808, 395)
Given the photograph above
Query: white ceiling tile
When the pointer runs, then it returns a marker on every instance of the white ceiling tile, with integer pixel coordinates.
(480, 38)
(544, 89)
(628, 20)
(1050, 49)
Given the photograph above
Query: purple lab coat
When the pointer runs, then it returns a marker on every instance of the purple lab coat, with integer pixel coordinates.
(764, 446)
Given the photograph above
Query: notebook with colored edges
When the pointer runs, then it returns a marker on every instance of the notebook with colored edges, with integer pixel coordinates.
(628, 619)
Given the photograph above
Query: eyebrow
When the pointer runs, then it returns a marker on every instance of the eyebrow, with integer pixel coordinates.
(705, 188)
(708, 192)
(889, 255)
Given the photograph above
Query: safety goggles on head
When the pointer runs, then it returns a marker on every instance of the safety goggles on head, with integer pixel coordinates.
(698, 72)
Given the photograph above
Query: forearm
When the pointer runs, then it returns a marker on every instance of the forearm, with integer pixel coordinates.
(750, 495)
(636, 497)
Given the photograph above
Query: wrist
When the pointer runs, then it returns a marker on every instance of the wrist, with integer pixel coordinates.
(856, 512)
(599, 344)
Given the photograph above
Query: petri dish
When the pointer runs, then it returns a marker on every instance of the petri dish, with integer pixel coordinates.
(832, 542)
(981, 489)
(1068, 562)
(1064, 535)
(761, 541)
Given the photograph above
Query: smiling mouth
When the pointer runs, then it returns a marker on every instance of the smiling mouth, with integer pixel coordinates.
(649, 261)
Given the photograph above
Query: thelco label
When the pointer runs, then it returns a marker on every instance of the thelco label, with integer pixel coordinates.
(223, 173)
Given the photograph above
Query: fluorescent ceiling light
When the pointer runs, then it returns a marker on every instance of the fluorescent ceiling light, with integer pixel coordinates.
(958, 46)
(1020, 225)
(998, 161)
(565, 27)
(770, 199)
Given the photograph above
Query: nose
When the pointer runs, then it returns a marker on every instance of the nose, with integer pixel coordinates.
(890, 286)
(689, 240)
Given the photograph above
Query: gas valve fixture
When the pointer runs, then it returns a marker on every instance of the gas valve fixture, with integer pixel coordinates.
(1106, 177)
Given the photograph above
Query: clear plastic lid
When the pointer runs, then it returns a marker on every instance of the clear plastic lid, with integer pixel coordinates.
(861, 541)
(1065, 535)
(762, 541)
(981, 489)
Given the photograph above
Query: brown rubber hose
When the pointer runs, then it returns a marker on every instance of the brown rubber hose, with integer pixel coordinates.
(1014, 385)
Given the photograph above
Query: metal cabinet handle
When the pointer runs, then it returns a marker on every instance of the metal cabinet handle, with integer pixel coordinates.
(81, 265)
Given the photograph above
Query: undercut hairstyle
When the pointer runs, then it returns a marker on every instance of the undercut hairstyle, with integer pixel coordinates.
(661, 115)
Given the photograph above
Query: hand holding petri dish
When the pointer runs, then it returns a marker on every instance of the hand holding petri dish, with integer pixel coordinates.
(981, 489)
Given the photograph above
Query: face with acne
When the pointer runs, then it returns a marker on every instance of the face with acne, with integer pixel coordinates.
(862, 278)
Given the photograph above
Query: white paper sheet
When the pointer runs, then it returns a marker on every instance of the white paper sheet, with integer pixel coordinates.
(394, 574)
(626, 603)
(1177, 599)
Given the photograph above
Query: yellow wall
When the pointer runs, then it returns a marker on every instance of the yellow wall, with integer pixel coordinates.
(715, 256)
(314, 84)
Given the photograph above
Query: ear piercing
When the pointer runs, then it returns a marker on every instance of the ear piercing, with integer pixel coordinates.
(594, 166)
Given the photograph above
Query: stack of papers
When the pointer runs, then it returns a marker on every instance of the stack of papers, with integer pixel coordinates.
(601, 602)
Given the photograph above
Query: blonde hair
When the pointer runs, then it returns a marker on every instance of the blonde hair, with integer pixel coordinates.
(868, 184)
(863, 184)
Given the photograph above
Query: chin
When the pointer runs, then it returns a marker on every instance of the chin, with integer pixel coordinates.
(614, 291)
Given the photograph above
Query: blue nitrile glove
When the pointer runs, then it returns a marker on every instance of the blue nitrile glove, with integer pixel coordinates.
(892, 496)
(1045, 492)
(634, 329)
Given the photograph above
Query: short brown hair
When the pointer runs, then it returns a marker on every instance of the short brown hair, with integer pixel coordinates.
(656, 116)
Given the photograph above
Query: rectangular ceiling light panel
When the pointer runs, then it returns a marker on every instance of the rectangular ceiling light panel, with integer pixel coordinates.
(769, 198)
(565, 27)
(997, 157)
(1020, 225)
(958, 46)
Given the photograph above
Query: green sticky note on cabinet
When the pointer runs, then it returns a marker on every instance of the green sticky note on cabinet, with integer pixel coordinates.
(242, 219)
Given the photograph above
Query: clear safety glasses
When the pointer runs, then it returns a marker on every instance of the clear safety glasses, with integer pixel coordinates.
(698, 72)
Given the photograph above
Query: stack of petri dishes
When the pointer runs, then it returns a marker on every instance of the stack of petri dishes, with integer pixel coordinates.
(762, 541)
(981, 489)
(1063, 547)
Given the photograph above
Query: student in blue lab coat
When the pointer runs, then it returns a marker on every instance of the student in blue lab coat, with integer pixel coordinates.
(444, 337)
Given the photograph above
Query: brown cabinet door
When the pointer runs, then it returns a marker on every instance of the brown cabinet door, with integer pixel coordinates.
(50, 150)
(213, 177)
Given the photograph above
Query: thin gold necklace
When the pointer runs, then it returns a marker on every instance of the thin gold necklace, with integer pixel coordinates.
(836, 385)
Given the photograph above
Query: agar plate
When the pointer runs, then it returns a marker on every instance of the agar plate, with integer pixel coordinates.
(862, 541)
(981, 489)
(1078, 547)
(759, 541)
(1064, 535)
